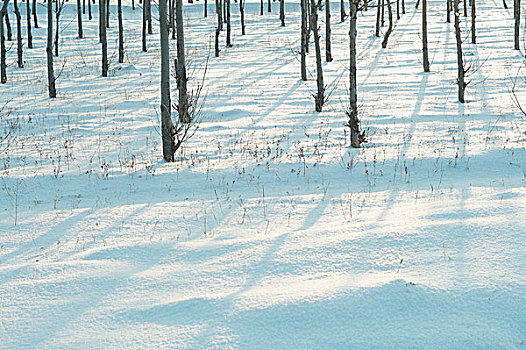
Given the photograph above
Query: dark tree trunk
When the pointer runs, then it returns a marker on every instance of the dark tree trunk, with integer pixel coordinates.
(83, 7)
(303, 49)
(167, 127)
(261, 8)
(319, 98)
(425, 53)
(473, 23)
(121, 31)
(517, 15)
(206, 8)
(228, 25)
(172, 18)
(107, 13)
(460, 59)
(90, 16)
(8, 26)
(403, 7)
(28, 19)
(144, 20)
(342, 10)
(58, 9)
(383, 13)
(390, 28)
(505, 5)
(378, 15)
(150, 28)
(79, 20)
(397, 9)
(465, 8)
(104, 40)
(3, 73)
(328, 51)
(269, 6)
(34, 11)
(242, 15)
(49, 51)
(282, 12)
(182, 106)
(354, 122)
(448, 11)
(19, 51)
(217, 42)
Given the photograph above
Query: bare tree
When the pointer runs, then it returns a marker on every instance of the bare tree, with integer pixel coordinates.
(448, 11)
(303, 49)
(20, 60)
(328, 51)
(242, 15)
(34, 11)
(378, 13)
(121, 31)
(473, 22)
(228, 25)
(28, 19)
(460, 61)
(182, 107)
(144, 20)
(3, 74)
(49, 51)
(319, 98)
(517, 15)
(354, 123)
(425, 53)
(79, 20)
(59, 5)
(282, 12)
(390, 28)
(342, 10)
(206, 8)
(104, 40)
(8, 26)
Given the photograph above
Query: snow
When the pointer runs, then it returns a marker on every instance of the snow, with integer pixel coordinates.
(269, 231)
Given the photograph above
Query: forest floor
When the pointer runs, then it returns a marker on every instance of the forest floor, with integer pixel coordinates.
(269, 231)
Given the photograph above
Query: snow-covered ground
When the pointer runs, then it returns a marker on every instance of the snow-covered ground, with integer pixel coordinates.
(269, 231)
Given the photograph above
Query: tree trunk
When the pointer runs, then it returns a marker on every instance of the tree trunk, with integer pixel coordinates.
(261, 8)
(390, 28)
(328, 51)
(397, 9)
(144, 20)
(403, 7)
(83, 7)
(121, 31)
(383, 13)
(473, 22)
(172, 18)
(28, 19)
(320, 95)
(101, 12)
(34, 11)
(3, 74)
(90, 16)
(133, 4)
(58, 9)
(228, 25)
(425, 53)
(19, 51)
(107, 2)
(79, 20)
(342, 10)
(448, 11)
(242, 15)
(465, 8)
(49, 51)
(104, 39)
(517, 15)
(219, 12)
(269, 6)
(460, 60)
(8, 26)
(378, 14)
(182, 106)
(217, 42)
(303, 49)
(505, 5)
(167, 127)
(206, 8)
(282, 12)
(150, 28)
(354, 122)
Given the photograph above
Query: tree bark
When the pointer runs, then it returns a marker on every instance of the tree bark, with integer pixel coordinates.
(90, 16)
(320, 95)
(144, 20)
(517, 15)
(390, 28)
(425, 53)
(182, 106)
(282, 12)
(354, 122)
(303, 49)
(261, 6)
(217, 42)
(58, 9)
(383, 13)
(79, 20)
(269, 6)
(342, 10)
(150, 28)
(104, 40)
(34, 11)
(28, 19)
(473, 23)
(49, 51)
(19, 51)
(460, 60)
(448, 11)
(107, 12)
(167, 127)
(242, 15)
(121, 31)
(328, 50)
(206, 8)
(3, 73)
(378, 14)
(8, 26)
(228, 25)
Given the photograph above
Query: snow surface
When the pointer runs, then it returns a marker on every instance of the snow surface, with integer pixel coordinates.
(269, 232)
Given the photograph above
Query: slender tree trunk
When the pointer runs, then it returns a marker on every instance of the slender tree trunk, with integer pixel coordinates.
(107, 2)
(390, 28)
(425, 53)
(473, 23)
(79, 20)
(28, 19)
(383, 13)
(206, 8)
(328, 51)
(182, 106)
(121, 31)
(448, 11)
(8, 26)
(90, 16)
(460, 60)
(517, 15)
(83, 7)
(269, 6)
(320, 95)
(242, 15)
(354, 122)
(172, 18)
(34, 11)
(19, 51)
(228, 25)
(167, 127)
(261, 8)
(403, 7)
(144, 20)
(303, 49)
(49, 51)
(58, 9)
(150, 28)
(217, 42)
(309, 25)
(342, 10)
(3, 73)
(397, 9)
(505, 5)
(378, 15)
(219, 12)
(282, 12)
(101, 13)
(465, 8)
(104, 40)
